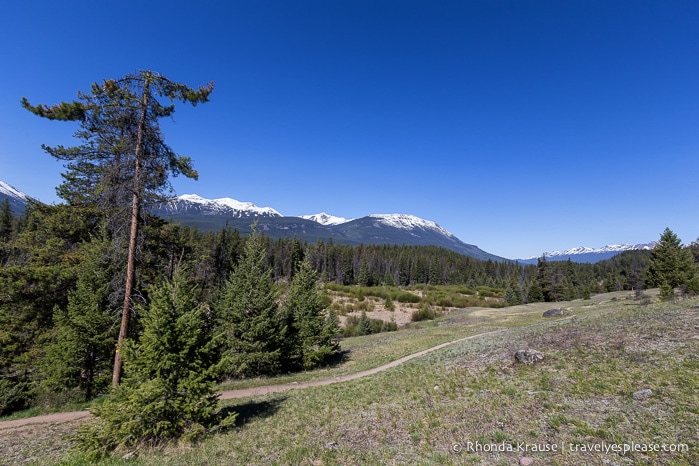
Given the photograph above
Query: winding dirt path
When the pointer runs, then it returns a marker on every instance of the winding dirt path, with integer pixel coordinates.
(57, 418)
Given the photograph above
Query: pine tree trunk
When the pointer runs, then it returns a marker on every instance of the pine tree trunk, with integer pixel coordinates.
(133, 236)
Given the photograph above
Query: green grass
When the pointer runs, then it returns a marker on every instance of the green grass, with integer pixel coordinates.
(580, 394)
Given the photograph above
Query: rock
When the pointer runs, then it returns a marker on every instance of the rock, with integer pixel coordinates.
(528, 356)
(553, 313)
(525, 461)
(642, 394)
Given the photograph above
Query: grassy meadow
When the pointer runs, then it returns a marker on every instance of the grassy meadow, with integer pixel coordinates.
(469, 403)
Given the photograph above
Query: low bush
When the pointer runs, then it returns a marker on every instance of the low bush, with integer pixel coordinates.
(364, 325)
(424, 312)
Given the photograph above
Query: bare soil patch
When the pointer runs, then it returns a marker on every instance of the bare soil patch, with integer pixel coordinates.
(402, 314)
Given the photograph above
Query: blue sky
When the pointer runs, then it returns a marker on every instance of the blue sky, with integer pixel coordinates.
(519, 126)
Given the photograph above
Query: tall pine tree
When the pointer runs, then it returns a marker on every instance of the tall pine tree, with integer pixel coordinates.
(124, 160)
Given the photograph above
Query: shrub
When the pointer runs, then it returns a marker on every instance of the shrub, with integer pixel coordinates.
(424, 312)
(405, 297)
(389, 304)
(364, 325)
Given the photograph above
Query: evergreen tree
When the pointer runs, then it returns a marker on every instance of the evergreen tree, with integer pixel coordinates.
(80, 355)
(671, 265)
(36, 277)
(168, 391)
(694, 249)
(6, 220)
(124, 159)
(389, 304)
(364, 276)
(536, 295)
(364, 326)
(312, 338)
(512, 297)
(248, 314)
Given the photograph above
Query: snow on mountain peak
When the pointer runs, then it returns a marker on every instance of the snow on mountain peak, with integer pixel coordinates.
(408, 222)
(326, 219)
(12, 192)
(603, 249)
(226, 203)
(607, 248)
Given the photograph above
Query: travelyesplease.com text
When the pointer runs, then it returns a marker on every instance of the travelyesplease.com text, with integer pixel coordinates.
(604, 447)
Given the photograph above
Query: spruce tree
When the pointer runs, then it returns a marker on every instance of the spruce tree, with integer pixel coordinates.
(80, 354)
(6, 220)
(313, 332)
(248, 314)
(512, 296)
(168, 391)
(364, 326)
(671, 265)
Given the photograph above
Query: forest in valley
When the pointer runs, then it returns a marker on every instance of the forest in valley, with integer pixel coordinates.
(100, 299)
(62, 280)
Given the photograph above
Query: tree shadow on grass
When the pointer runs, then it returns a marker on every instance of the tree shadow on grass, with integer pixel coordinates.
(254, 409)
(337, 359)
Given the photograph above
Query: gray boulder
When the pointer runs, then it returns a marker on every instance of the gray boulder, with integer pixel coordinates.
(528, 356)
(553, 313)
(642, 394)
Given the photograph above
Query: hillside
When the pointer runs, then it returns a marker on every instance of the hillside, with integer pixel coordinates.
(617, 373)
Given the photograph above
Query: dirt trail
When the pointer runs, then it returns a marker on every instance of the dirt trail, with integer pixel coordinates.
(57, 418)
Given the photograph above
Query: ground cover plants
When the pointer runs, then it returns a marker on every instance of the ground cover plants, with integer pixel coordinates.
(431, 409)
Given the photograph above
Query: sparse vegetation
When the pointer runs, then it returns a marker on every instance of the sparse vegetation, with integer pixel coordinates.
(580, 394)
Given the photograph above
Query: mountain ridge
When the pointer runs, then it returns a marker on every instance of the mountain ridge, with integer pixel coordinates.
(586, 254)
(212, 214)
(17, 199)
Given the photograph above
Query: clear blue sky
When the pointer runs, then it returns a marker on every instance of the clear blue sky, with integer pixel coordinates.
(519, 126)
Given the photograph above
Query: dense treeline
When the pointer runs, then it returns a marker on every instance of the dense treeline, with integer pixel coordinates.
(61, 285)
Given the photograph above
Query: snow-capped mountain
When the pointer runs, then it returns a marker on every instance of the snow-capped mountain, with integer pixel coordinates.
(589, 255)
(609, 248)
(326, 219)
(214, 214)
(18, 200)
(194, 204)
(409, 222)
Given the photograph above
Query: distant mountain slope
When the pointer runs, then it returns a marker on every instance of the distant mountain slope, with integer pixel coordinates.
(584, 254)
(399, 229)
(326, 219)
(191, 204)
(18, 200)
(408, 229)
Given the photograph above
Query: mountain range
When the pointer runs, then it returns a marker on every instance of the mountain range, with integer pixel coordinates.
(584, 254)
(402, 229)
